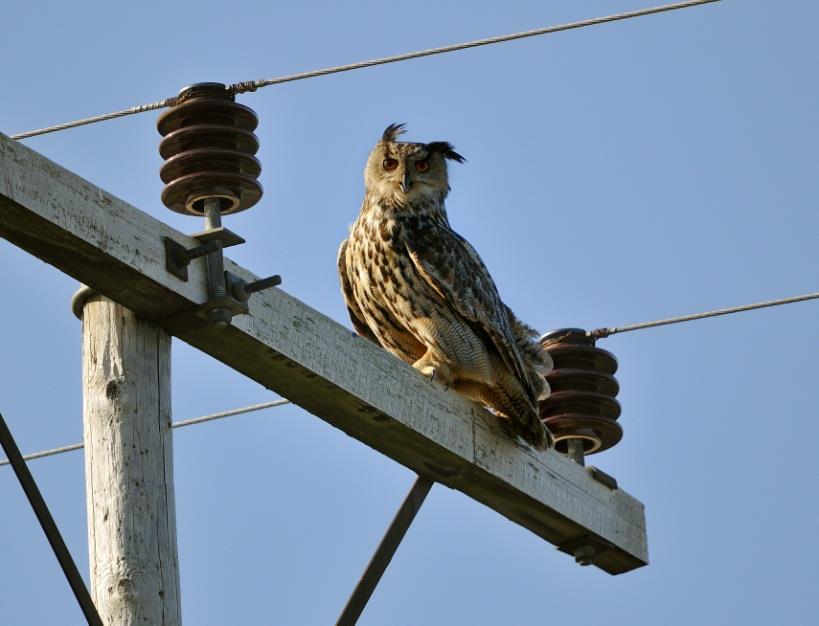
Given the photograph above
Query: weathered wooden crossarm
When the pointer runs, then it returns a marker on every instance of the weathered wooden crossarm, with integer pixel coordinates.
(315, 362)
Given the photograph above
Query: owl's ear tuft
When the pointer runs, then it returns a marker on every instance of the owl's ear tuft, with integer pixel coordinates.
(392, 132)
(446, 150)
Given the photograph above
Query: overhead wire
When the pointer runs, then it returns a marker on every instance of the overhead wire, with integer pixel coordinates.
(256, 84)
(602, 333)
(253, 85)
(180, 424)
(140, 108)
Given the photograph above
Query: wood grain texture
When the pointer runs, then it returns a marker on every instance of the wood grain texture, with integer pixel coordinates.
(314, 361)
(129, 467)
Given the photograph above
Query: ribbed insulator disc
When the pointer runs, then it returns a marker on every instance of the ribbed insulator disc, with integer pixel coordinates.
(208, 136)
(581, 404)
(586, 402)
(582, 357)
(569, 379)
(209, 147)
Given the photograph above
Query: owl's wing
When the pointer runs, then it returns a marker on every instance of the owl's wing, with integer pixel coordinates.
(353, 309)
(454, 270)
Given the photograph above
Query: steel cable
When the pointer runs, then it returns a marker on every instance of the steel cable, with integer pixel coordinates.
(253, 85)
(180, 424)
(602, 333)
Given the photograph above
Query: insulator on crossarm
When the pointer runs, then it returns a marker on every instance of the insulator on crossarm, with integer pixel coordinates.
(208, 148)
(581, 406)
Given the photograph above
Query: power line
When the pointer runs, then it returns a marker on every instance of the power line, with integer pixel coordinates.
(256, 84)
(141, 108)
(232, 412)
(602, 333)
(253, 85)
(179, 424)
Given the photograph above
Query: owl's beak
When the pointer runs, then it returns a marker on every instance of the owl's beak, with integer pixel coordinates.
(406, 183)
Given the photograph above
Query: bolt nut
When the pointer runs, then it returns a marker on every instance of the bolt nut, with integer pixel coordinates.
(219, 317)
(584, 555)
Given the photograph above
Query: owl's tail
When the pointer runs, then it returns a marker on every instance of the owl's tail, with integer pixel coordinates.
(538, 362)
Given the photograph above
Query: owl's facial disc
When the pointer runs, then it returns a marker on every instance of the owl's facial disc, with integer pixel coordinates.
(407, 172)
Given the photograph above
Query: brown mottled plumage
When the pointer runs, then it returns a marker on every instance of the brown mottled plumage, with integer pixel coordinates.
(417, 288)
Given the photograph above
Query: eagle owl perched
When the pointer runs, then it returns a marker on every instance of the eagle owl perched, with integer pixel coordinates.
(417, 288)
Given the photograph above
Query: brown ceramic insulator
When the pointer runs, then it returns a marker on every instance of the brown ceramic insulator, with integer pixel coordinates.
(208, 136)
(581, 404)
(209, 146)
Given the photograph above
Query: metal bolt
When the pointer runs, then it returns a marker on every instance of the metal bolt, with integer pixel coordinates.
(242, 290)
(584, 555)
(219, 317)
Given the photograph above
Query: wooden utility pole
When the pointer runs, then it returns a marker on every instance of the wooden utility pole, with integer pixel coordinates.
(128, 464)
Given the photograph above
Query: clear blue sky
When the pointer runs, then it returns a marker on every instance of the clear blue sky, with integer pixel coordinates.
(615, 174)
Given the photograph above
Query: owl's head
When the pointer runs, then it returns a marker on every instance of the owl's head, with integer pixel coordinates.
(407, 172)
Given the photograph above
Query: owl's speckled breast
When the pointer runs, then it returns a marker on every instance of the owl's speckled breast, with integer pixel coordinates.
(387, 285)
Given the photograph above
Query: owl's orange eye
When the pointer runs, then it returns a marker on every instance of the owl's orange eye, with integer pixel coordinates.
(422, 166)
(390, 164)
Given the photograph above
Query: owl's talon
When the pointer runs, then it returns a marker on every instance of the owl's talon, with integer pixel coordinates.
(428, 371)
(433, 374)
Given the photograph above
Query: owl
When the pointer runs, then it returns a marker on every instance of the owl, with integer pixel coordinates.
(419, 290)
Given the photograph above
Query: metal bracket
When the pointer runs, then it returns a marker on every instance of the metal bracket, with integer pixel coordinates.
(226, 236)
(227, 293)
(604, 479)
(178, 257)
